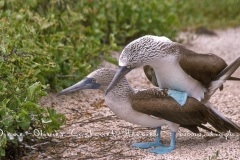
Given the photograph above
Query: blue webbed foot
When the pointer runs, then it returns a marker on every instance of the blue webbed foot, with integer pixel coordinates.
(162, 149)
(146, 145)
(165, 149)
(180, 97)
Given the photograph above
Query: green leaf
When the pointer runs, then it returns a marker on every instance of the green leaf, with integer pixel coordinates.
(32, 89)
(24, 124)
(7, 120)
(1, 3)
(5, 102)
(3, 139)
(2, 152)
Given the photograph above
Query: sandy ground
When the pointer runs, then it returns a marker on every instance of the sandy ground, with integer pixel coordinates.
(92, 131)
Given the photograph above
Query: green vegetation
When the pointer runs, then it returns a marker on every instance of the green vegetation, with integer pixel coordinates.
(52, 44)
(209, 13)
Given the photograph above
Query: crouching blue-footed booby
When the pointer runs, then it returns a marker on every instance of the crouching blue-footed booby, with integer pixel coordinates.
(176, 67)
(153, 108)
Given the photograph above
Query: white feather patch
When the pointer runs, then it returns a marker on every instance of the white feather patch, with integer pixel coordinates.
(162, 38)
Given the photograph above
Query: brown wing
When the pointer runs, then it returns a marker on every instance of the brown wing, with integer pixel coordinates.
(150, 74)
(157, 103)
(202, 67)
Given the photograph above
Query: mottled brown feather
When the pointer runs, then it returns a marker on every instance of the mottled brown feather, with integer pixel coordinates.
(150, 74)
(193, 113)
(202, 67)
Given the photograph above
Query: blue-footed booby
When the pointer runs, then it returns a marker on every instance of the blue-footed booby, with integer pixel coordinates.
(153, 108)
(176, 67)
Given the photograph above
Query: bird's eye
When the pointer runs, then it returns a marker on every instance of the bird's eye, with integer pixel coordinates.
(93, 80)
(128, 66)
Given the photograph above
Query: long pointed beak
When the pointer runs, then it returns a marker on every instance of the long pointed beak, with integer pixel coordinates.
(121, 72)
(86, 83)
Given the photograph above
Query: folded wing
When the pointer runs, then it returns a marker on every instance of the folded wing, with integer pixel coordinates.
(157, 103)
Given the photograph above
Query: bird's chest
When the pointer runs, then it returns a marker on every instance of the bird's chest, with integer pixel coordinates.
(172, 76)
(120, 107)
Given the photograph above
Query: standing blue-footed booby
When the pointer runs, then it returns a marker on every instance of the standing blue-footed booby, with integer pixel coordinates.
(176, 67)
(153, 108)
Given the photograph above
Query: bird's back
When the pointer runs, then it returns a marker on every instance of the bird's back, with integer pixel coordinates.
(202, 67)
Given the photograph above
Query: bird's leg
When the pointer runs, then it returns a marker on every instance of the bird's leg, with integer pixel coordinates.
(146, 145)
(180, 97)
(165, 149)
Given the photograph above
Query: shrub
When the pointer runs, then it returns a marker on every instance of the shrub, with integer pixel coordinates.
(24, 67)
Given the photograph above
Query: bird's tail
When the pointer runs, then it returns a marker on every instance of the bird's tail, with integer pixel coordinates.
(221, 78)
(229, 70)
(220, 122)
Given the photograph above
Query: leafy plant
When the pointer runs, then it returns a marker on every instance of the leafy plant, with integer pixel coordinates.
(24, 66)
(222, 14)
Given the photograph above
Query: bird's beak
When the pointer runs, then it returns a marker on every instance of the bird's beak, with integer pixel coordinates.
(121, 71)
(86, 83)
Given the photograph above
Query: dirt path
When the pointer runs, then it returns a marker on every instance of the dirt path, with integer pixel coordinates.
(94, 132)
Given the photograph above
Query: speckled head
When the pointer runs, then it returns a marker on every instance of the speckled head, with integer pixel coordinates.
(102, 76)
(140, 52)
